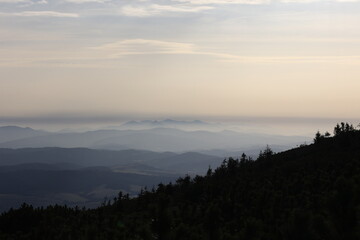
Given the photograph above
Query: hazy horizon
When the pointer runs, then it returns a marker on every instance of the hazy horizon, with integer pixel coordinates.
(275, 126)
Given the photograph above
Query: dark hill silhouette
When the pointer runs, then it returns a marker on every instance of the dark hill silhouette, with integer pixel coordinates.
(81, 156)
(311, 192)
(80, 176)
(191, 162)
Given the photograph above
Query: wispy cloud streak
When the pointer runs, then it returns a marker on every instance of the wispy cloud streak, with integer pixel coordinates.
(86, 1)
(147, 47)
(156, 9)
(40, 14)
(14, 1)
(24, 3)
(253, 2)
(206, 2)
(106, 55)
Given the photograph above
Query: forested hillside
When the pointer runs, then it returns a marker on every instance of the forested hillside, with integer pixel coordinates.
(311, 192)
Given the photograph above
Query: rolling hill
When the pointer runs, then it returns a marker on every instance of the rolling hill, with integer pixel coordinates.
(310, 192)
(84, 177)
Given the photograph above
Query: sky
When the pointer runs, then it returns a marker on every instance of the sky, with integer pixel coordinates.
(194, 59)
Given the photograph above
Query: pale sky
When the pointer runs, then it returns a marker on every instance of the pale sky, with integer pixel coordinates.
(222, 58)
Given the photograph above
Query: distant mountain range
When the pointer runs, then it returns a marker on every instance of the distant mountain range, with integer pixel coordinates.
(11, 133)
(165, 123)
(193, 125)
(154, 139)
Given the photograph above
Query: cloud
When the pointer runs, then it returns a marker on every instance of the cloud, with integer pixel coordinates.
(106, 55)
(350, 1)
(306, 1)
(24, 2)
(287, 59)
(40, 14)
(86, 1)
(15, 1)
(252, 2)
(205, 2)
(145, 46)
(155, 9)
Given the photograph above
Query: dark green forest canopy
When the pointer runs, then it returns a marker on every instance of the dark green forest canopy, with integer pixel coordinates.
(310, 192)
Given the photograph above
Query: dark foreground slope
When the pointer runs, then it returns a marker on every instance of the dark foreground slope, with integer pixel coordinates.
(312, 192)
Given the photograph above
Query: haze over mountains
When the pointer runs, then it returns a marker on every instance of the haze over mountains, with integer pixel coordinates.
(83, 168)
(168, 123)
(309, 192)
(11, 133)
(167, 135)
